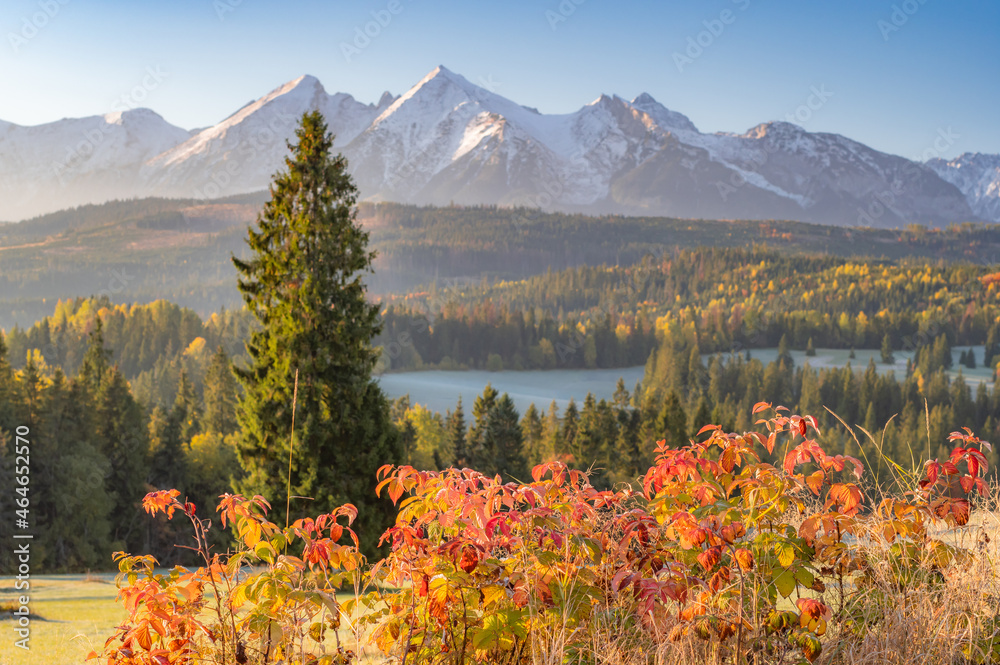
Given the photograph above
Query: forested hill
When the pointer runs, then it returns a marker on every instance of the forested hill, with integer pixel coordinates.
(179, 250)
(151, 345)
(723, 299)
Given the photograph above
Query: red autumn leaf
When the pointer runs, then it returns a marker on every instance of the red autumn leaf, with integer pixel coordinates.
(960, 509)
(760, 406)
(423, 583)
(932, 472)
(470, 559)
(710, 557)
(811, 609)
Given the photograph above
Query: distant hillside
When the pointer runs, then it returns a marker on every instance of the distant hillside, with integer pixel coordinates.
(143, 250)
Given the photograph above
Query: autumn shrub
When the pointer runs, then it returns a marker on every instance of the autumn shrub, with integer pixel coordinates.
(736, 548)
(257, 604)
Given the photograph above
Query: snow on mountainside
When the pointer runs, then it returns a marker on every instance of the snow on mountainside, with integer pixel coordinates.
(447, 139)
(978, 177)
(80, 160)
(241, 153)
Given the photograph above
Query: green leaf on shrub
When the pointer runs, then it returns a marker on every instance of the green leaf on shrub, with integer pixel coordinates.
(786, 554)
(785, 583)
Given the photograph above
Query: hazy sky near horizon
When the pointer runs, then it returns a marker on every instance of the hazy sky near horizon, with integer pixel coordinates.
(911, 77)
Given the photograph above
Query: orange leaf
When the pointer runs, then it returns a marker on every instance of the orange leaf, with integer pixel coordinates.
(744, 558)
(811, 609)
(815, 481)
(710, 557)
(161, 500)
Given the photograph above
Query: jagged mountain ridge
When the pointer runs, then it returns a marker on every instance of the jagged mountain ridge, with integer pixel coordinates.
(449, 140)
(977, 175)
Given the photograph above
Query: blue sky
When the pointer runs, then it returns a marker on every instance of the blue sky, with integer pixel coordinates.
(897, 75)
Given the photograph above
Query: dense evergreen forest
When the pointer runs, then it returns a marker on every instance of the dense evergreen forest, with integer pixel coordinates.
(121, 399)
(724, 300)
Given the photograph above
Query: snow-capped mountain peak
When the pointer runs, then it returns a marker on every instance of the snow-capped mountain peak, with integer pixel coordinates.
(664, 117)
(447, 139)
(977, 175)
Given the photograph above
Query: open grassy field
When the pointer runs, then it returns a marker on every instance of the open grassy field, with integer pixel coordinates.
(74, 613)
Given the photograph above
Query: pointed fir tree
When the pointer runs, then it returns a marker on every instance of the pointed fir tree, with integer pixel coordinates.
(887, 356)
(455, 427)
(220, 395)
(476, 438)
(186, 410)
(784, 353)
(810, 349)
(531, 426)
(551, 438)
(303, 284)
(96, 360)
(123, 438)
(503, 442)
(568, 429)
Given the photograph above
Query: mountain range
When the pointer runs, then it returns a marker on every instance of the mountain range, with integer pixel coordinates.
(447, 140)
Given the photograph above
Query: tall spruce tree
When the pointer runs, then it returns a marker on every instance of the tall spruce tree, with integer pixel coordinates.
(503, 442)
(303, 283)
(455, 427)
(220, 395)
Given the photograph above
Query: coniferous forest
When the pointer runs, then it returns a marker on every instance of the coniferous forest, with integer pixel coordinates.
(150, 397)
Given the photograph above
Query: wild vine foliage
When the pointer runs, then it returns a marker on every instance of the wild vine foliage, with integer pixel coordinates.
(273, 599)
(716, 555)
